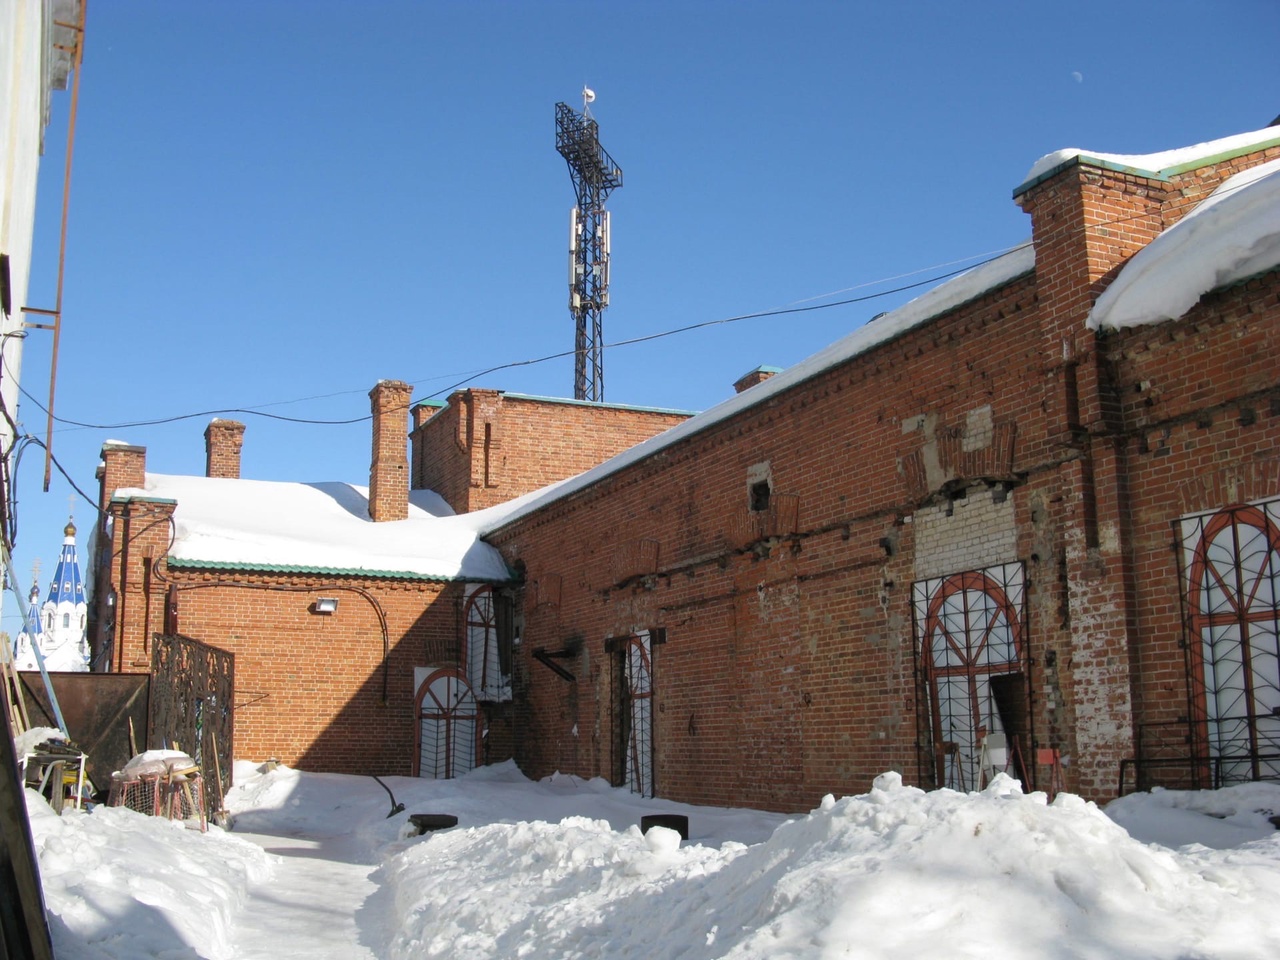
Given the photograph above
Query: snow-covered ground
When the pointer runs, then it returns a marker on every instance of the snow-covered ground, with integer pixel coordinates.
(315, 868)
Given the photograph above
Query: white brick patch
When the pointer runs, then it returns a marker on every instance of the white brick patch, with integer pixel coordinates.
(967, 534)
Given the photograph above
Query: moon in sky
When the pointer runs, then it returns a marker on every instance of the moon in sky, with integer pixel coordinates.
(1077, 76)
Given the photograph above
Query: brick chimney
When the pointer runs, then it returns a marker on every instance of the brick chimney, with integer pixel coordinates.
(389, 470)
(758, 375)
(123, 465)
(222, 442)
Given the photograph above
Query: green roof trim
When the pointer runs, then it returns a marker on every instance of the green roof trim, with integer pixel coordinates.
(143, 499)
(1084, 158)
(184, 564)
(1163, 174)
(1219, 157)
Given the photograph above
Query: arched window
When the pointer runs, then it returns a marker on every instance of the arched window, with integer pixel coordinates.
(66, 621)
(483, 655)
(970, 632)
(1233, 605)
(448, 728)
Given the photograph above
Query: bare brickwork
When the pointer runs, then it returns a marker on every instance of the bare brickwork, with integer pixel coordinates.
(1002, 434)
(991, 506)
(389, 467)
(486, 447)
(319, 691)
(223, 441)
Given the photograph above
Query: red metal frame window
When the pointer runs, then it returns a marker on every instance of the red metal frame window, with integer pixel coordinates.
(1233, 611)
(481, 655)
(969, 629)
(448, 726)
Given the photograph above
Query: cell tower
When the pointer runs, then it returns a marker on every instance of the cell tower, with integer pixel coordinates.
(594, 176)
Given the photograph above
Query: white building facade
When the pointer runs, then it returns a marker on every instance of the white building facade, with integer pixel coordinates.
(37, 43)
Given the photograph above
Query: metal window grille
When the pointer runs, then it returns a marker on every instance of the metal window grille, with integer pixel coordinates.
(635, 714)
(970, 629)
(483, 654)
(1231, 560)
(448, 726)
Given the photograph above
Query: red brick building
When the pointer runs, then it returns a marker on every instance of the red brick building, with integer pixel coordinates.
(1000, 510)
(371, 630)
(1030, 519)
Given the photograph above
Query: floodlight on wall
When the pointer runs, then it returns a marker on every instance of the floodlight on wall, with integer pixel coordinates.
(326, 605)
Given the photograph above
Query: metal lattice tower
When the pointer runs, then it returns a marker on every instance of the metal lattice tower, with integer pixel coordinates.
(594, 176)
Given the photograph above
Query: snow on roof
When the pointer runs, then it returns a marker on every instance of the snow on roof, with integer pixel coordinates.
(968, 286)
(1165, 163)
(316, 527)
(1234, 233)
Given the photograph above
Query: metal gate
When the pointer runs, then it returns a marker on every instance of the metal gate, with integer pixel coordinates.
(448, 721)
(969, 630)
(192, 707)
(1232, 588)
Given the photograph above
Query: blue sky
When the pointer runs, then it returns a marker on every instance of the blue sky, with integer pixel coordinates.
(274, 205)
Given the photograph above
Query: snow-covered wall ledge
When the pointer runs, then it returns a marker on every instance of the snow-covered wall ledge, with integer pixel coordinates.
(1154, 166)
(1233, 234)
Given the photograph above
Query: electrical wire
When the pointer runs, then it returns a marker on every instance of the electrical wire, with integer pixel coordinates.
(780, 311)
(793, 308)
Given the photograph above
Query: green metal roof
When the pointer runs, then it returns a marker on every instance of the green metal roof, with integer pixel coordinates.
(185, 564)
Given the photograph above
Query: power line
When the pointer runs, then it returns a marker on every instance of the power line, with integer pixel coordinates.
(781, 311)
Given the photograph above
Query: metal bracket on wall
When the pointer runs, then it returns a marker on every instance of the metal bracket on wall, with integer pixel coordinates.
(548, 658)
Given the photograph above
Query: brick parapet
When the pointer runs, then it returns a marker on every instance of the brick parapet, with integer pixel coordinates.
(487, 447)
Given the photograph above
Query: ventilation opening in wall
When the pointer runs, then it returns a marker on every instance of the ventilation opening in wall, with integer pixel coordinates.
(759, 486)
(759, 496)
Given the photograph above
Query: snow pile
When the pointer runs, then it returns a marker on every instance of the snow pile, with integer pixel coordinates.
(158, 763)
(317, 527)
(558, 869)
(118, 884)
(897, 872)
(30, 739)
(1216, 818)
(1232, 234)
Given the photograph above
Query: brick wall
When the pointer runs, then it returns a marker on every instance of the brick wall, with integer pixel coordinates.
(487, 447)
(1200, 404)
(789, 668)
(1004, 431)
(327, 692)
(320, 691)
